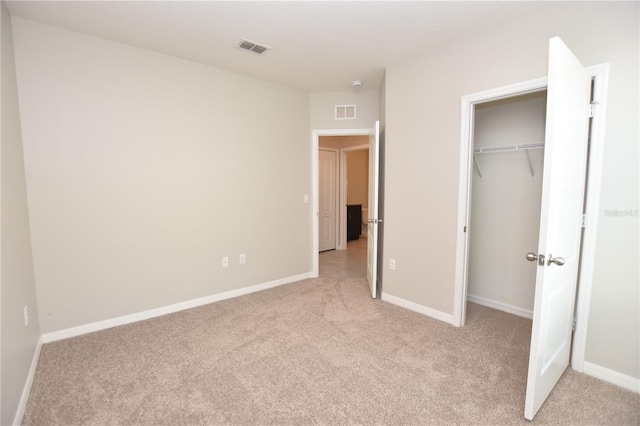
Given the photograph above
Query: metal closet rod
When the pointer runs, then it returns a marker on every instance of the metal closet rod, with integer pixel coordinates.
(506, 148)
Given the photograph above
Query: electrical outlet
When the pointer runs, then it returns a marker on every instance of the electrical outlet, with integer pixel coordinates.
(225, 261)
(392, 264)
(26, 316)
(242, 259)
(305, 198)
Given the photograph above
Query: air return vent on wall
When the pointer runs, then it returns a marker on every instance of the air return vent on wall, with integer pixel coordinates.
(254, 47)
(345, 112)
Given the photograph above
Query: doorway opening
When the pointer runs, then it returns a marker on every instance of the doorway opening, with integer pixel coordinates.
(343, 141)
(342, 189)
(506, 194)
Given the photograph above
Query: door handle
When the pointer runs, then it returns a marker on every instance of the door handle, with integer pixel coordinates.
(532, 257)
(557, 260)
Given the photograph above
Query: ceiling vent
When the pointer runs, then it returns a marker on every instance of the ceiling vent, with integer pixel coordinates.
(254, 47)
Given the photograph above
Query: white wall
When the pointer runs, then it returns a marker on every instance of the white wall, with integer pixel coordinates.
(322, 109)
(144, 170)
(358, 177)
(422, 143)
(19, 342)
(505, 210)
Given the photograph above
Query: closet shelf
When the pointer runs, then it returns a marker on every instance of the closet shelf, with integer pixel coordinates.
(507, 148)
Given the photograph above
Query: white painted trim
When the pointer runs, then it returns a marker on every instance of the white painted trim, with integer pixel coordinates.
(315, 224)
(421, 309)
(176, 307)
(596, 154)
(504, 307)
(462, 236)
(26, 391)
(315, 144)
(342, 224)
(343, 190)
(611, 376)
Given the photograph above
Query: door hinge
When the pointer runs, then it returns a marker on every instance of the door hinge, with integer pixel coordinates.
(584, 220)
(574, 323)
(592, 108)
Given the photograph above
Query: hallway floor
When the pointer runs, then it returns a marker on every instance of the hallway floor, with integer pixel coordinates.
(349, 263)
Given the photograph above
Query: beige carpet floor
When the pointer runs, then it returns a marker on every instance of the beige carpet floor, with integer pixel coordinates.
(319, 351)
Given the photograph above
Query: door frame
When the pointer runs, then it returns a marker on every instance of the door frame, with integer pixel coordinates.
(600, 76)
(342, 241)
(315, 146)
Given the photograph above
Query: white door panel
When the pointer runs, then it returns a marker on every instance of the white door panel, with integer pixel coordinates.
(327, 199)
(568, 96)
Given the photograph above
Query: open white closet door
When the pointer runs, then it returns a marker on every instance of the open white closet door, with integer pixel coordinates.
(558, 254)
(372, 220)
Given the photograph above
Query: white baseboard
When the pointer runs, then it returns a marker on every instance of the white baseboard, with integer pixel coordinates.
(26, 391)
(415, 307)
(611, 376)
(500, 306)
(176, 307)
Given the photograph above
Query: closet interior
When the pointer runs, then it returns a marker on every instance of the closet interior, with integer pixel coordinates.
(505, 202)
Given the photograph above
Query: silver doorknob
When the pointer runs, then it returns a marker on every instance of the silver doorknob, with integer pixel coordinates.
(557, 260)
(370, 221)
(532, 257)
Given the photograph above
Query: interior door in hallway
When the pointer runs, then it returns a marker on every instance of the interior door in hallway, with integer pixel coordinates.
(558, 255)
(327, 194)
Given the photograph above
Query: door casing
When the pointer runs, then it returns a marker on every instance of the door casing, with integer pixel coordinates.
(600, 76)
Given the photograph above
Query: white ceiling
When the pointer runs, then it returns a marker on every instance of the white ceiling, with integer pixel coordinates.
(317, 45)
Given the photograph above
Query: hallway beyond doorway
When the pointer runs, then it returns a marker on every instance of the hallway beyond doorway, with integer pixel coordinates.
(349, 263)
